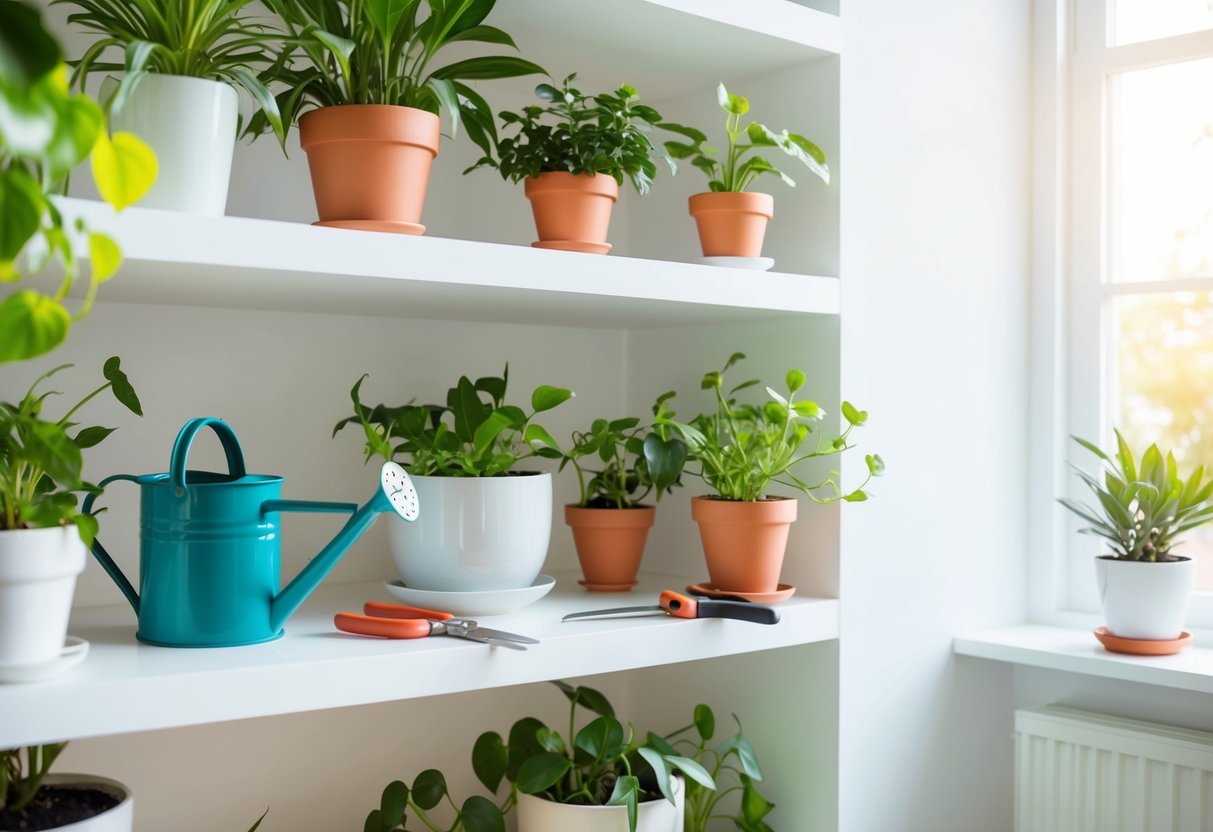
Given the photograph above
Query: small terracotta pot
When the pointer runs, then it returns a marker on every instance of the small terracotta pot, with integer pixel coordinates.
(732, 224)
(610, 543)
(370, 164)
(572, 211)
(744, 543)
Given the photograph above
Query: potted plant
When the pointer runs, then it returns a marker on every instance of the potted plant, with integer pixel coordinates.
(732, 221)
(183, 61)
(44, 538)
(46, 132)
(609, 521)
(572, 154)
(741, 450)
(1142, 507)
(32, 798)
(483, 525)
(365, 65)
(429, 790)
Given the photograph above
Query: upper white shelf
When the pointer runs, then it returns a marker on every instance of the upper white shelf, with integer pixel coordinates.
(125, 686)
(233, 262)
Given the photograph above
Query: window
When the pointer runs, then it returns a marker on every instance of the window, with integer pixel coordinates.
(1140, 300)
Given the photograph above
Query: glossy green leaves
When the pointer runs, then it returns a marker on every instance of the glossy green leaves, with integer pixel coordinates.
(124, 168)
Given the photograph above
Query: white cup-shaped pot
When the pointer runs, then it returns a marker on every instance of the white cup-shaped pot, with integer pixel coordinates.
(1142, 599)
(119, 818)
(538, 815)
(475, 533)
(191, 124)
(38, 569)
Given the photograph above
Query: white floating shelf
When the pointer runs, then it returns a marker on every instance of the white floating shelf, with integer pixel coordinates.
(233, 262)
(125, 686)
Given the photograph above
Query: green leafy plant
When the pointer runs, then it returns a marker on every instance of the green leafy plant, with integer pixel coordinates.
(380, 52)
(740, 166)
(733, 759)
(41, 463)
(635, 461)
(742, 448)
(429, 790)
(1142, 506)
(604, 763)
(577, 133)
(211, 39)
(45, 132)
(22, 771)
(476, 434)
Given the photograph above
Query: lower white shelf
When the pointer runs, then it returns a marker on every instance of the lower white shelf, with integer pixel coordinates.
(125, 686)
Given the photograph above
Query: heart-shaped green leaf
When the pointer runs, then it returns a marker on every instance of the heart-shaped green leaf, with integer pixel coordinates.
(31, 324)
(124, 168)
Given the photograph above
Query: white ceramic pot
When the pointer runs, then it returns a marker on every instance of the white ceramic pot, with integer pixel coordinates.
(1142, 599)
(538, 815)
(191, 124)
(38, 569)
(475, 533)
(120, 818)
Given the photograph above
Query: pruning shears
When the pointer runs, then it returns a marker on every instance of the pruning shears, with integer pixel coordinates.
(684, 606)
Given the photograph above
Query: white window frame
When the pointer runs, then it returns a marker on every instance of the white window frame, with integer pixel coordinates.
(1069, 324)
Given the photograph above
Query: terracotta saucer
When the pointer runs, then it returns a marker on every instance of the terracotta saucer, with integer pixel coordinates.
(414, 228)
(573, 245)
(781, 594)
(1141, 646)
(606, 587)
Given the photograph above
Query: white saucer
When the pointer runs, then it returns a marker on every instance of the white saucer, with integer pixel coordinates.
(484, 602)
(74, 651)
(758, 264)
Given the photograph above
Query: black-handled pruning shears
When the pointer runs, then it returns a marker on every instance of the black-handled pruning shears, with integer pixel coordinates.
(684, 606)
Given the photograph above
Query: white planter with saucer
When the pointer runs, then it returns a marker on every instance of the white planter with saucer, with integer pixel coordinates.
(1145, 600)
(38, 569)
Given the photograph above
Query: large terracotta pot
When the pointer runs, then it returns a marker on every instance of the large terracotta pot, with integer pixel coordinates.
(732, 224)
(572, 211)
(1143, 600)
(610, 543)
(370, 164)
(744, 543)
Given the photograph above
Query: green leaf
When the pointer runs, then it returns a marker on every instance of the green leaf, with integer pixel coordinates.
(485, 34)
(626, 793)
(77, 129)
(546, 397)
(429, 788)
(31, 324)
(693, 770)
(489, 759)
(374, 822)
(730, 103)
(90, 437)
(393, 804)
(122, 389)
(478, 814)
(20, 211)
(27, 50)
(705, 721)
(795, 380)
(523, 744)
(104, 255)
(853, 415)
(488, 67)
(754, 807)
(87, 525)
(875, 464)
(385, 14)
(741, 746)
(660, 770)
(665, 459)
(599, 737)
(541, 772)
(124, 168)
(595, 701)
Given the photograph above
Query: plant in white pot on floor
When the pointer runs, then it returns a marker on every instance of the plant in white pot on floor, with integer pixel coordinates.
(1142, 507)
(33, 798)
(483, 524)
(182, 62)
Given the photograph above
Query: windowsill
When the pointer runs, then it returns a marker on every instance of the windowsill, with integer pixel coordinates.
(1076, 651)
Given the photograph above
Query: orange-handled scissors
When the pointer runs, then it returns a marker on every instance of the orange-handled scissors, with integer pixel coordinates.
(684, 606)
(398, 621)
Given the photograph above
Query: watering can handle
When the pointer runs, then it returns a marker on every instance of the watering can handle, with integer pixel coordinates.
(102, 556)
(185, 440)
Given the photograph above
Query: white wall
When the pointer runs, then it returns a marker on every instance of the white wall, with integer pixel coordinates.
(934, 275)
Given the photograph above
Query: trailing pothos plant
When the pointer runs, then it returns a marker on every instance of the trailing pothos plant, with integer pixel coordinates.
(743, 448)
(741, 164)
(211, 39)
(41, 460)
(579, 134)
(428, 792)
(45, 132)
(381, 52)
(1142, 506)
(475, 434)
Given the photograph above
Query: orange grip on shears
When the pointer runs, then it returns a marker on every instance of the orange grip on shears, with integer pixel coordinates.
(679, 605)
(379, 609)
(374, 625)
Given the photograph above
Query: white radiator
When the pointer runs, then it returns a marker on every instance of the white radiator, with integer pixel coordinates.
(1077, 771)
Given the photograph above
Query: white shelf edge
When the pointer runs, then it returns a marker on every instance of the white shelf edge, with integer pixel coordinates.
(774, 18)
(125, 687)
(1076, 651)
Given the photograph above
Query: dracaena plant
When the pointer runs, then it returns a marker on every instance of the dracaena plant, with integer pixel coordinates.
(742, 448)
(46, 132)
(383, 52)
(1142, 506)
(742, 162)
(41, 461)
(579, 134)
(216, 40)
(22, 771)
(475, 434)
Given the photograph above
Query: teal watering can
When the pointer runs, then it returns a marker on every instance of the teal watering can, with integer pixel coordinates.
(209, 550)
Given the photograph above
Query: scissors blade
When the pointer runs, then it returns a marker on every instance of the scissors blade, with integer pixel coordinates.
(635, 612)
(502, 635)
(474, 635)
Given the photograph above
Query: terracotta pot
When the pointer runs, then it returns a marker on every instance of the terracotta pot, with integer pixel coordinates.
(572, 211)
(610, 543)
(370, 164)
(744, 543)
(732, 224)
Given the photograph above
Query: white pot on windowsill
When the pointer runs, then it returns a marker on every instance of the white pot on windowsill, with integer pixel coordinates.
(1143, 599)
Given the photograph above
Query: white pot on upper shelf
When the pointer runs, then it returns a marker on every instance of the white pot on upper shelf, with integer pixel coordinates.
(38, 570)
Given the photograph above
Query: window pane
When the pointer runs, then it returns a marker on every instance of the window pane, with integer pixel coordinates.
(1163, 388)
(1162, 173)
(1138, 20)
